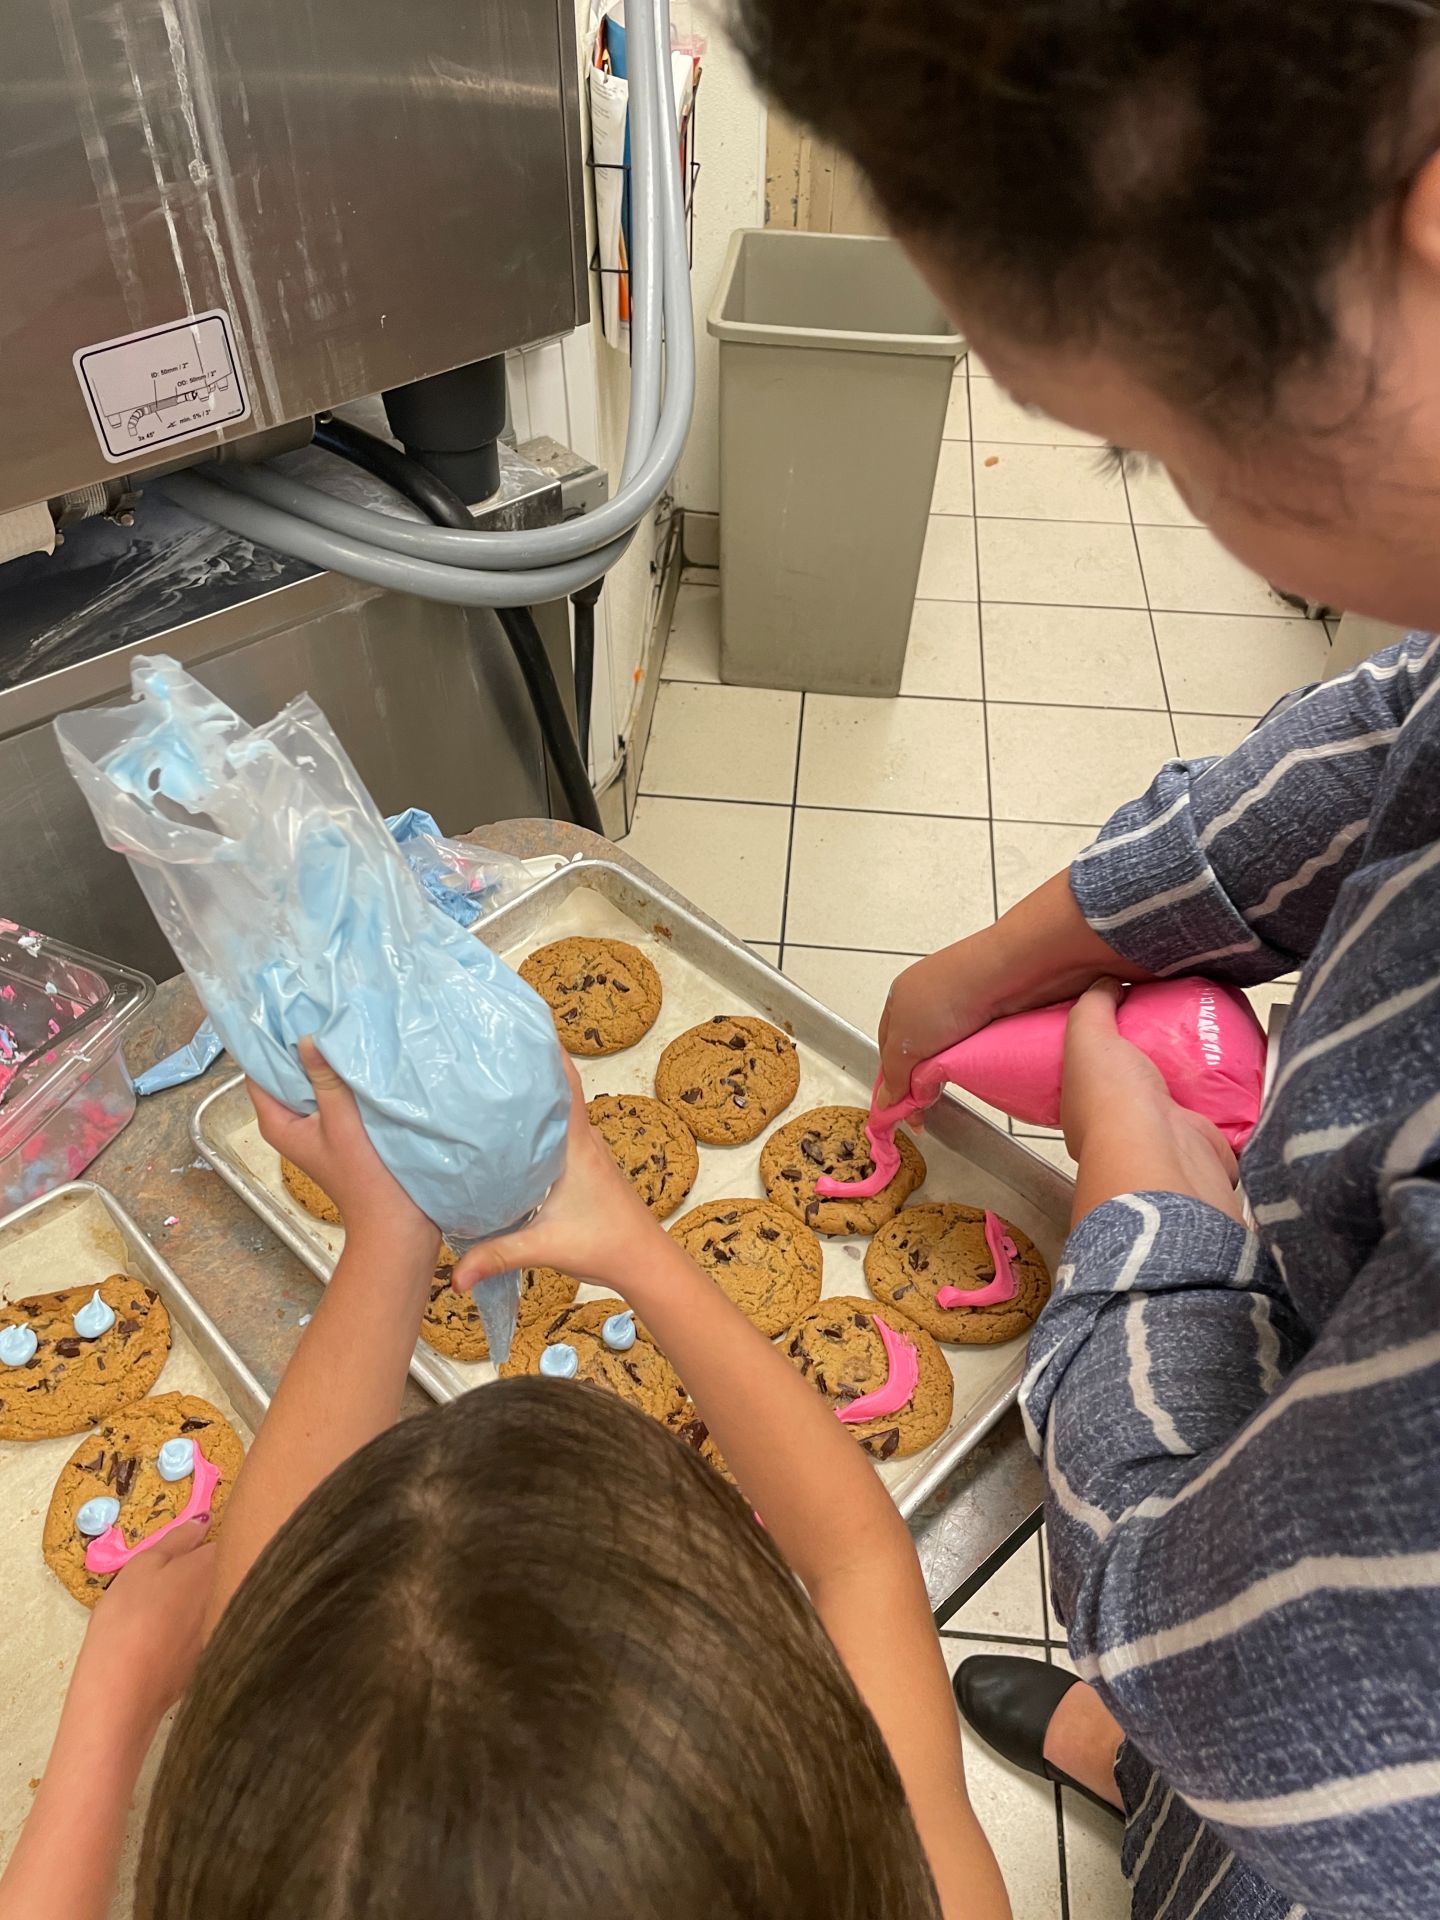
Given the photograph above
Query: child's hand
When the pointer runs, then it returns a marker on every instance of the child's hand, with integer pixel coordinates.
(1122, 1125)
(590, 1224)
(332, 1146)
(147, 1631)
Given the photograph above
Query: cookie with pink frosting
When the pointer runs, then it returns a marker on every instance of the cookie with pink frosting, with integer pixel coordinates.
(152, 1467)
(882, 1373)
(830, 1141)
(962, 1273)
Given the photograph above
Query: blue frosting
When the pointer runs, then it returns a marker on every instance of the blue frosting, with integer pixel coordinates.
(94, 1318)
(618, 1332)
(176, 1459)
(97, 1516)
(17, 1345)
(560, 1361)
(294, 912)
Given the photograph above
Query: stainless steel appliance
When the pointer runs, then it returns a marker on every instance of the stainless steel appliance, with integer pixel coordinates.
(218, 221)
(364, 194)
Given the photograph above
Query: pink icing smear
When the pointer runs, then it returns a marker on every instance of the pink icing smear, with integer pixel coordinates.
(898, 1390)
(109, 1553)
(1003, 1287)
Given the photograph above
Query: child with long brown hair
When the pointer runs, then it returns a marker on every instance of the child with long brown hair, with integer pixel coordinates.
(527, 1654)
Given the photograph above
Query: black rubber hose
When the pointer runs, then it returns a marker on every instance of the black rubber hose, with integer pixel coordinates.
(584, 604)
(444, 506)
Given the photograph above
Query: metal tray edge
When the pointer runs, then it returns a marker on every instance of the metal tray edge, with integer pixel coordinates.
(428, 1370)
(250, 1398)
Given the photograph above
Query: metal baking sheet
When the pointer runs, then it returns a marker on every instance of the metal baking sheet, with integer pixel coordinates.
(78, 1235)
(705, 971)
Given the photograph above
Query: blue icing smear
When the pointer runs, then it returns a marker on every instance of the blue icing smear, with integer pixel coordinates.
(560, 1361)
(618, 1332)
(94, 1318)
(97, 1516)
(17, 1345)
(176, 1459)
(294, 913)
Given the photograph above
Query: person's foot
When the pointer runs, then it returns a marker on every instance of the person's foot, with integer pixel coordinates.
(1042, 1719)
(1082, 1741)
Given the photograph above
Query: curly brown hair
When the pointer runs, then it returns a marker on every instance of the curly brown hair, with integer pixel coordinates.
(1182, 177)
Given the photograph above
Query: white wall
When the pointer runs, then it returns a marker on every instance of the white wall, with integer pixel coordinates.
(730, 147)
(578, 389)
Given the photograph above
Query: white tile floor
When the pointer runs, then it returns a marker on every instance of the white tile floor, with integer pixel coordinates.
(1073, 629)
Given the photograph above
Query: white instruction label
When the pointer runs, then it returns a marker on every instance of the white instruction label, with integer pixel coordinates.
(166, 384)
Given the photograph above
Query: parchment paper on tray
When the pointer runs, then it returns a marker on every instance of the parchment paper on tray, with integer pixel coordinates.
(69, 1238)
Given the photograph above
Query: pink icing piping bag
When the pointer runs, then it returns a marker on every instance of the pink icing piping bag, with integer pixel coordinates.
(1003, 1287)
(109, 1553)
(1201, 1034)
(898, 1390)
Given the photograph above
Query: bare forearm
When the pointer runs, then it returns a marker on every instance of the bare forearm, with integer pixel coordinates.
(1042, 950)
(343, 1386)
(65, 1860)
(816, 1492)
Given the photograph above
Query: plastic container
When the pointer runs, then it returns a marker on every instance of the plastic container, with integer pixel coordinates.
(66, 1090)
(835, 370)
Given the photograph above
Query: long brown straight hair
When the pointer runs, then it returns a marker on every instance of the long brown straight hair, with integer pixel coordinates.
(527, 1658)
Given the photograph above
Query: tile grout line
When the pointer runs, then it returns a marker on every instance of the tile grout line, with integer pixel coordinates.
(790, 847)
(1154, 631)
(1064, 1864)
(980, 641)
(972, 700)
(876, 813)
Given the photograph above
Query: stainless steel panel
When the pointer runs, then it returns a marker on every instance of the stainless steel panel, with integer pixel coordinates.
(372, 193)
(427, 700)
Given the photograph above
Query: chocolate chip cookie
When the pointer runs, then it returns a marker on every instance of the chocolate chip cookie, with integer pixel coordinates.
(604, 994)
(452, 1323)
(311, 1195)
(831, 1140)
(839, 1349)
(652, 1147)
(729, 1077)
(121, 1464)
(939, 1244)
(72, 1379)
(639, 1372)
(758, 1255)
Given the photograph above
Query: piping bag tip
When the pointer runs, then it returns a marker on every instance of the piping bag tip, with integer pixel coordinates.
(497, 1301)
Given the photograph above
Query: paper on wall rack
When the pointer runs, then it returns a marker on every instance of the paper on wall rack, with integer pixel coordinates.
(609, 91)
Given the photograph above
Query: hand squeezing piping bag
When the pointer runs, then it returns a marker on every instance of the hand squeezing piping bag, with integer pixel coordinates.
(1201, 1034)
(292, 910)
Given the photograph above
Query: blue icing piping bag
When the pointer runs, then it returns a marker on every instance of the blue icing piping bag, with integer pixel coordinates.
(270, 870)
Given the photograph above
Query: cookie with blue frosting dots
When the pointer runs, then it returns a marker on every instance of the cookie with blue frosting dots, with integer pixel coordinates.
(165, 1460)
(69, 1358)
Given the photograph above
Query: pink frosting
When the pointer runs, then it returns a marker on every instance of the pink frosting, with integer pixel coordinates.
(109, 1553)
(1003, 1287)
(898, 1390)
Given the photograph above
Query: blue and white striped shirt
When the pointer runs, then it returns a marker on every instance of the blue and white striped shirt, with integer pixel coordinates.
(1241, 1431)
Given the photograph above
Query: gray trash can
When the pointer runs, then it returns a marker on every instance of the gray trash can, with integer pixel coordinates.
(835, 370)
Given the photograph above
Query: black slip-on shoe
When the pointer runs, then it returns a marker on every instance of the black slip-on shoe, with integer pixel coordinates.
(1010, 1703)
